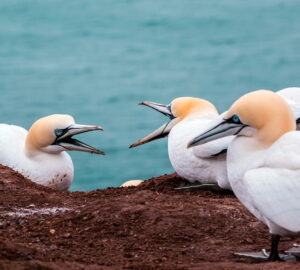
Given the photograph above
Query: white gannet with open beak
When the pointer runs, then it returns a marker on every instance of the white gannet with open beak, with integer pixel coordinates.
(39, 154)
(189, 117)
(263, 160)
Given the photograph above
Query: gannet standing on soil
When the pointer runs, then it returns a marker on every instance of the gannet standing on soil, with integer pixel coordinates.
(39, 154)
(263, 160)
(189, 117)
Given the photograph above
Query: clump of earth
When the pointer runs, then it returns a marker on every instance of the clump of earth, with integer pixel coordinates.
(151, 226)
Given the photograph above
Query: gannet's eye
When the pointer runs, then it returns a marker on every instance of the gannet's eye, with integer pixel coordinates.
(235, 119)
(59, 132)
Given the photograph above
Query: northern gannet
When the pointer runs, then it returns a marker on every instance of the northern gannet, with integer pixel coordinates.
(39, 153)
(263, 160)
(189, 117)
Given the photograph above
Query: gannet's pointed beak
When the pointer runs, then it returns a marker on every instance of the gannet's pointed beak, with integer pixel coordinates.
(164, 130)
(161, 132)
(164, 109)
(220, 128)
(64, 138)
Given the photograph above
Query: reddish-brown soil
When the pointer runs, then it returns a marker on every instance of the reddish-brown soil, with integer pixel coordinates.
(147, 227)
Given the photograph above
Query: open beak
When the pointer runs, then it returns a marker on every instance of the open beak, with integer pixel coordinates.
(164, 130)
(66, 141)
(220, 128)
(164, 109)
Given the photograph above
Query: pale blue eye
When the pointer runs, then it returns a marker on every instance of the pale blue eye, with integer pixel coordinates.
(235, 119)
(59, 132)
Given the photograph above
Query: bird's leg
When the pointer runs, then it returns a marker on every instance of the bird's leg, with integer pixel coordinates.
(269, 257)
(274, 255)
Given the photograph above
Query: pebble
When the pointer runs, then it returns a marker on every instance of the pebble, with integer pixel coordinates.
(132, 183)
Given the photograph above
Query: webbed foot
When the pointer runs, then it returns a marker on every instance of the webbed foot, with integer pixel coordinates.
(295, 251)
(264, 256)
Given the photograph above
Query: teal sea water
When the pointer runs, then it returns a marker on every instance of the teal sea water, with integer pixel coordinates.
(96, 59)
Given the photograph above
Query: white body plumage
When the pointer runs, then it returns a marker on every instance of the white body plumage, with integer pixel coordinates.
(205, 163)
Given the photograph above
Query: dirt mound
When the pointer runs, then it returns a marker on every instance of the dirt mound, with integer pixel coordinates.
(151, 226)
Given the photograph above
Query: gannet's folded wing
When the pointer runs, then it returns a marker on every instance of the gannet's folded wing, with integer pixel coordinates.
(212, 148)
(12, 140)
(275, 193)
(274, 188)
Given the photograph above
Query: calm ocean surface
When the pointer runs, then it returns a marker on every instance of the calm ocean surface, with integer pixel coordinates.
(97, 59)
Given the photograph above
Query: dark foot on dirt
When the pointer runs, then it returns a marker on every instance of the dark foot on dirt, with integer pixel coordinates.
(264, 256)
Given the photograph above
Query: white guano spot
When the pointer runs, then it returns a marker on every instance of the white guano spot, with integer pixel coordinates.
(24, 212)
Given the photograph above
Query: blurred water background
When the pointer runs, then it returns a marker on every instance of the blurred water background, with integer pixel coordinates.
(96, 59)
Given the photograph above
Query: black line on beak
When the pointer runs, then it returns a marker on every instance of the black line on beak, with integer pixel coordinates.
(169, 107)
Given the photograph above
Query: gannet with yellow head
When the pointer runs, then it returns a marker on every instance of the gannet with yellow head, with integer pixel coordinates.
(39, 154)
(263, 160)
(188, 117)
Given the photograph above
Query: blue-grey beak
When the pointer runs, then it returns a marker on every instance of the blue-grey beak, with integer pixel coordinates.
(221, 128)
(164, 130)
